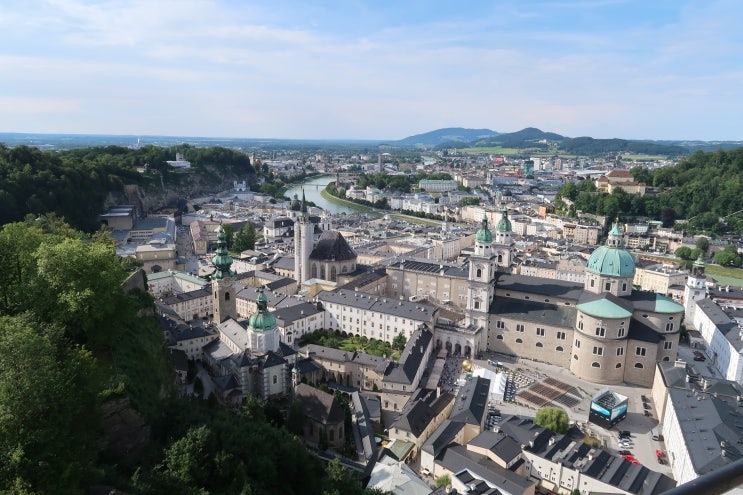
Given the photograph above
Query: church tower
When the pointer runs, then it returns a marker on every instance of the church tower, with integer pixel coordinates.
(325, 221)
(504, 241)
(695, 289)
(223, 289)
(481, 284)
(303, 230)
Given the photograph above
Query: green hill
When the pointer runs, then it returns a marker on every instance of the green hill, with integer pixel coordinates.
(447, 135)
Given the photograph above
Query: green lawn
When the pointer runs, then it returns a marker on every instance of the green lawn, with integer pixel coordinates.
(328, 338)
(724, 275)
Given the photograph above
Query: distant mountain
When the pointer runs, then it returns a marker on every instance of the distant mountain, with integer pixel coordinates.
(448, 135)
(528, 134)
(535, 139)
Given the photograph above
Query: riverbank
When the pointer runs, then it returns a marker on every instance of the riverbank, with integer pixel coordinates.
(368, 209)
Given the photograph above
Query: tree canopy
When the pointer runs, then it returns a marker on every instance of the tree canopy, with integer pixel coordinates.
(552, 418)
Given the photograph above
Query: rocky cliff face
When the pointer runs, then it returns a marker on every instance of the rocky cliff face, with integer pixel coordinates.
(192, 184)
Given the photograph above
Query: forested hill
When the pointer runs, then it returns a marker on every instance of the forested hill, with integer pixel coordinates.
(447, 135)
(532, 138)
(703, 188)
(588, 146)
(74, 184)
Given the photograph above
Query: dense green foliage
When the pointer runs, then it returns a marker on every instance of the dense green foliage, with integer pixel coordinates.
(702, 188)
(552, 418)
(74, 184)
(588, 146)
(72, 339)
(245, 238)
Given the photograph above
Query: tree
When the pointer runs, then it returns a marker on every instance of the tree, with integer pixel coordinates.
(245, 238)
(443, 481)
(703, 244)
(398, 343)
(683, 252)
(48, 416)
(552, 418)
(728, 256)
(229, 232)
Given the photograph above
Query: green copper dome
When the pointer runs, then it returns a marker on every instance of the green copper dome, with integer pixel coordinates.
(263, 320)
(612, 260)
(504, 224)
(222, 261)
(484, 235)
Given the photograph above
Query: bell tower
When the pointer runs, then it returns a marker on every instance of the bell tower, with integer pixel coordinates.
(695, 289)
(223, 290)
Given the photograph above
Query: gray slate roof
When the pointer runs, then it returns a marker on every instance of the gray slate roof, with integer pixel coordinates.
(724, 323)
(411, 359)
(381, 304)
(538, 285)
(332, 246)
(470, 404)
(520, 309)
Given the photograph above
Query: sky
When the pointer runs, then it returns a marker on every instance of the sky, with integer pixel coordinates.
(378, 69)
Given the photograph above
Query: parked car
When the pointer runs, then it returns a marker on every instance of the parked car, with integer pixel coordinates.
(625, 452)
(698, 356)
(625, 434)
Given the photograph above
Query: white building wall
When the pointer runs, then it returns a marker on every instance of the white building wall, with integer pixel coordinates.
(678, 455)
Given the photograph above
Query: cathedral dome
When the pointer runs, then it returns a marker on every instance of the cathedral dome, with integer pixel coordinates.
(263, 320)
(612, 260)
(504, 224)
(484, 235)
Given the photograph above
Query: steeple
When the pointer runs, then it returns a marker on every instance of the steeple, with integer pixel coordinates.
(222, 261)
(484, 235)
(616, 237)
(303, 209)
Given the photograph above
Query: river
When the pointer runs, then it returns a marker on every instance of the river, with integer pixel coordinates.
(312, 190)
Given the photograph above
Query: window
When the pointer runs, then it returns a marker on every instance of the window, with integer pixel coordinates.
(275, 379)
(595, 364)
(559, 348)
(499, 337)
(519, 341)
(580, 325)
(540, 332)
(577, 343)
(667, 345)
(500, 324)
(607, 286)
(619, 365)
(477, 304)
(539, 344)
(575, 356)
(669, 327)
(519, 327)
(479, 273)
(598, 350)
(624, 286)
(620, 351)
(561, 336)
(600, 331)
(639, 365)
(592, 282)
(640, 351)
(621, 332)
